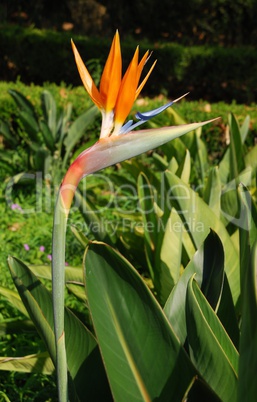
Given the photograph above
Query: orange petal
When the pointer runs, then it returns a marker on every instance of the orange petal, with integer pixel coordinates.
(87, 79)
(111, 77)
(142, 64)
(127, 91)
(139, 89)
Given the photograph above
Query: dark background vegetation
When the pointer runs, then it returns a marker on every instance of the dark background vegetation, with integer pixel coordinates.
(189, 22)
(205, 47)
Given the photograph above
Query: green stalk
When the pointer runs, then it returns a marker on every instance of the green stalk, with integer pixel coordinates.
(58, 287)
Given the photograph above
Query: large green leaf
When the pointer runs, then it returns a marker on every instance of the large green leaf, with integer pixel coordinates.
(50, 113)
(208, 267)
(9, 136)
(236, 149)
(227, 314)
(184, 168)
(169, 253)
(201, 156)
(198, 218)
(48, 136)
(73, 278)
(83, 356)
(212, 192)
(93, 219)
(36, 363)
(150, 219)
(22, 102)
(247, 389)
(143, 358)
(163, 240)
(251, 158)
(31, 127)
(229, 165)
(14, 299)
(77, 130)
(230, 203)
(248, 259)
(211, 349)
(72, 274)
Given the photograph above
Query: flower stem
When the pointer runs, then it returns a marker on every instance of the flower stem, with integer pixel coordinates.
(58, 287)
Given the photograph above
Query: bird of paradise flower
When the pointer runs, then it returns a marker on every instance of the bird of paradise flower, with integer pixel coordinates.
(114, 98)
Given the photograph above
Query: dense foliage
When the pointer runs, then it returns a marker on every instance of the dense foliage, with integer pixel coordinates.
(189, 22)
(170, 265)
(213, 73)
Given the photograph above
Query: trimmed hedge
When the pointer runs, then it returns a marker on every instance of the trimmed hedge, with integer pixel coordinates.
(208, 72)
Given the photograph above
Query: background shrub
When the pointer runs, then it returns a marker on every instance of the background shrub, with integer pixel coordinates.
(210, 72)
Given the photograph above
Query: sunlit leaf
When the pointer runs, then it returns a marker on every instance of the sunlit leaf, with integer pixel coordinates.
(83, 356)
(211, 349)
(37, 363)
(143, 357)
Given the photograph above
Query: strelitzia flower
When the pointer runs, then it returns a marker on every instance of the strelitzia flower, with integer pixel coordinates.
(115, 98)
(117, 142)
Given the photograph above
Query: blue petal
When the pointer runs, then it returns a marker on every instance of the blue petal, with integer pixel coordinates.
(143, 117)
(152, 113)
(126, 127)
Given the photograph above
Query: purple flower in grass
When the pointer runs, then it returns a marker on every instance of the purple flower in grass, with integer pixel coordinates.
(16, 206)
(26, 246)
(42, 248)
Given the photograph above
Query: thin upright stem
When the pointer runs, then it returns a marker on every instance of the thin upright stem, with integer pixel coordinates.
(58, 287)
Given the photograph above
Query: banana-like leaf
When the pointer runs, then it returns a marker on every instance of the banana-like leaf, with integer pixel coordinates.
(84, 361)
(50, 113)
(184, 168)
(48, 136)
(230, 204)
(236, 149)
(176, 149)
(143, 358)
(163, 240)
(244, 129)
(160, 162)
(7, 133)
(208, 267)
(14, 299)
(247, 388)
(201, 155)
(31, 127)
(150, 219)
(227, 313)
(93, 219)
(77, 130)
(211, 349)
(22, 102)
(212, 192)
(72, 274)
(73, 278)
(248, 228)
(251, 158)
(36, 363)
(198, 218)
(238, 135)
(169, 254)
(248, 351)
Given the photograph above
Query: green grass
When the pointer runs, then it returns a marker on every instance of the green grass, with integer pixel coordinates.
(18, 231)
